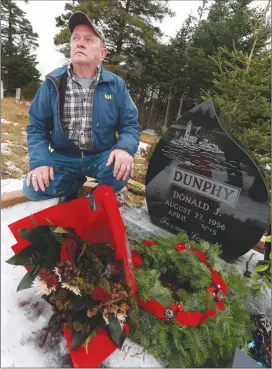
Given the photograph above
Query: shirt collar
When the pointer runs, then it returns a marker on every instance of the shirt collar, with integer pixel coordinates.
(97, 73)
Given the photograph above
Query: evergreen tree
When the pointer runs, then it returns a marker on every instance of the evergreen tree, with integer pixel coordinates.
(241, 86)
(184, 68)
(127, 26)
(18, 42)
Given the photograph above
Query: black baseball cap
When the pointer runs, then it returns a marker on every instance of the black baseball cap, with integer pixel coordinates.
(81, 18)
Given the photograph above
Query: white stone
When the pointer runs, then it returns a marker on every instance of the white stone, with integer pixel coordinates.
(18, 94)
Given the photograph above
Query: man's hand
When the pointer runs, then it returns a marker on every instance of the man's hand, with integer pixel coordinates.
(124, 164)
(40, 177)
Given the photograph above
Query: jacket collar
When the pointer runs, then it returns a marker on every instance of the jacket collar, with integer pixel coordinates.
(106, 76)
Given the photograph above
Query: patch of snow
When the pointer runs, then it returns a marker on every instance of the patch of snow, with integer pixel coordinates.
(5, 149)
(142, 145)
(132, 355)
(19, 325)
(8, 185)
(18, 348)
(5, 121)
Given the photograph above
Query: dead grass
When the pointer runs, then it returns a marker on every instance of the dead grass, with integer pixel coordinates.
(15, 160)
(149, 139)
(14, 112)
(14, 156)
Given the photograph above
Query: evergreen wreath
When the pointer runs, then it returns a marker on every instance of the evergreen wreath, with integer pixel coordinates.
(180, 279)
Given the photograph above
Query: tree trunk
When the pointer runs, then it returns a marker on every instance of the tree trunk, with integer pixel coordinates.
(167, 110)
(152, 106)
(201, 11)
(120, 40)
(257, 34)
(10, 31)
(180, 106)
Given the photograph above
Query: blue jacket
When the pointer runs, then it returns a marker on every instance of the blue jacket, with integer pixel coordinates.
(113, 111)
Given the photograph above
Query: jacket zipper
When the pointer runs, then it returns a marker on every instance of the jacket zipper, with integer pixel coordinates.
(71, 143)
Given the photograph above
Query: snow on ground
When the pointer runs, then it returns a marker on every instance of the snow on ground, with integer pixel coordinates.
(5, 121)
(5, 148)
(8, 185)
(20, 324)
(142, 145)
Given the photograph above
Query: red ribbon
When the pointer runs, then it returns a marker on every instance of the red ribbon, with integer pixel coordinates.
(189, 319)
(149, 243)
(68, 250)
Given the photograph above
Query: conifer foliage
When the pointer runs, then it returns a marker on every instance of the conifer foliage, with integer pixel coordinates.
(18, 66)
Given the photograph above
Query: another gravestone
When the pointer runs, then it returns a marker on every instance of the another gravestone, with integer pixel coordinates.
(18, 95)
(200, 181)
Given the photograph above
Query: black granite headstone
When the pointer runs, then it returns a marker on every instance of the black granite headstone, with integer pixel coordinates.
(202, 182)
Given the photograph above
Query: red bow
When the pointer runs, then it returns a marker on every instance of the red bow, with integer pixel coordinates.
(149, 243)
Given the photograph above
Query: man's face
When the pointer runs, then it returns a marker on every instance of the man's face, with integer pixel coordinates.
(86, 47)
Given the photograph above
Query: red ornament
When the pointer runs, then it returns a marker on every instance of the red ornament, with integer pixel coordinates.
(150, 243)
(211, 289)
(136, 259)
(68, 250)
(176, 308)
(181, 247)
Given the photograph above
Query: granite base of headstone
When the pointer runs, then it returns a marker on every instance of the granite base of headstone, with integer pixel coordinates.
(202, 182)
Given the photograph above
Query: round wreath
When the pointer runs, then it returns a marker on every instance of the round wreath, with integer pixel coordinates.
(217, 289)
(193, 306)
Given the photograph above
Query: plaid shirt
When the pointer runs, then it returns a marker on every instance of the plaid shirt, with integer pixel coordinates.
(77, 113)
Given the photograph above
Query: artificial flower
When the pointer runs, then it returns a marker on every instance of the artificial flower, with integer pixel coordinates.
(122, 318)
(42, 287)
(69, 287)
(56, 271)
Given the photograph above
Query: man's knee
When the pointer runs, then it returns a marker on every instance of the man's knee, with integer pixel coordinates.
(118, 185)
(33, 195)
(106, 177)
